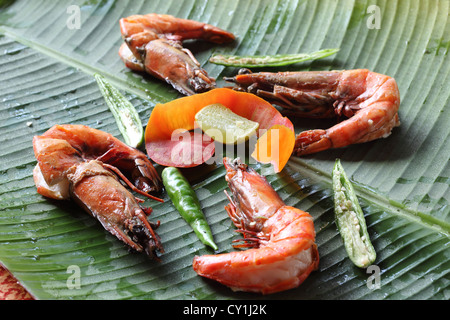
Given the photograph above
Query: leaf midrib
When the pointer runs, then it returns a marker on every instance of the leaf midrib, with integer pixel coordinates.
(89, 69)
(365, 192)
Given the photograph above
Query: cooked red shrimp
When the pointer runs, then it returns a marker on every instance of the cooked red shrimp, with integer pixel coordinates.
(154, 43)
(80, 163)
(282, 238)
(368, 101)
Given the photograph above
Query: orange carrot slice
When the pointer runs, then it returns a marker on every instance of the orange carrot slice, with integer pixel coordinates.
(274, 145)
(169, 139)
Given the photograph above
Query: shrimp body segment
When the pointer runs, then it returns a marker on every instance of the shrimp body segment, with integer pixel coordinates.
(153, 43)
(367, 101)
(281, 238)
(138, 30)
(80, 163)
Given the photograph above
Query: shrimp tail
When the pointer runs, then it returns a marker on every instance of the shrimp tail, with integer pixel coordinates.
(311, 141)
(129, 59)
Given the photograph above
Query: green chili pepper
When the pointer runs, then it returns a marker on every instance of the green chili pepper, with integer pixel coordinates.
(269, 60)
(350, 220)
(186, 202)
(126, 116)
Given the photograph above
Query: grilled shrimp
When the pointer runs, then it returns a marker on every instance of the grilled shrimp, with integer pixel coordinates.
(153, 44)
(368, 102)
(81, 163)
(281, 238)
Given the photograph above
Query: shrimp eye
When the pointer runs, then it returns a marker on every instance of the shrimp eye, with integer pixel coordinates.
(244, 71)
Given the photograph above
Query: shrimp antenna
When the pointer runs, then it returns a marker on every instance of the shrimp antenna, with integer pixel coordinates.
(128, 182)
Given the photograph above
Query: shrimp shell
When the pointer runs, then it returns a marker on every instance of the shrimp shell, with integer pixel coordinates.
(368, 103)
(153, 43)
(80, 163)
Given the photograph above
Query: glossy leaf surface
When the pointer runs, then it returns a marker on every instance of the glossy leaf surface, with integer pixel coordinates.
(46, 68)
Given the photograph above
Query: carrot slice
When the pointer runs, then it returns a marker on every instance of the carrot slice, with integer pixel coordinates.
(170, 142)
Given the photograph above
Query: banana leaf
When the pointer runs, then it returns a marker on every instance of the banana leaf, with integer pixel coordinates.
(49, 51)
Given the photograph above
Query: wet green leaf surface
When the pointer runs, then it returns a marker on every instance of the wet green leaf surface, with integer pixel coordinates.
(402, 182)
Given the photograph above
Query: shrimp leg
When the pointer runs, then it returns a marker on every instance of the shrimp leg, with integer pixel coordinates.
(281, 238)
(80, 163)
(368, 103)
(153, 43)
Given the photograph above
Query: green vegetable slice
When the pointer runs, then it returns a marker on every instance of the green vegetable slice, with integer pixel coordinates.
(223, 125)
(350, 220)
(124, 112)
(269, 60)
(186, 202)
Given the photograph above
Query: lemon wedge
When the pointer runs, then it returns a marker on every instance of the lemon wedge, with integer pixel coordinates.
(223, 125)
